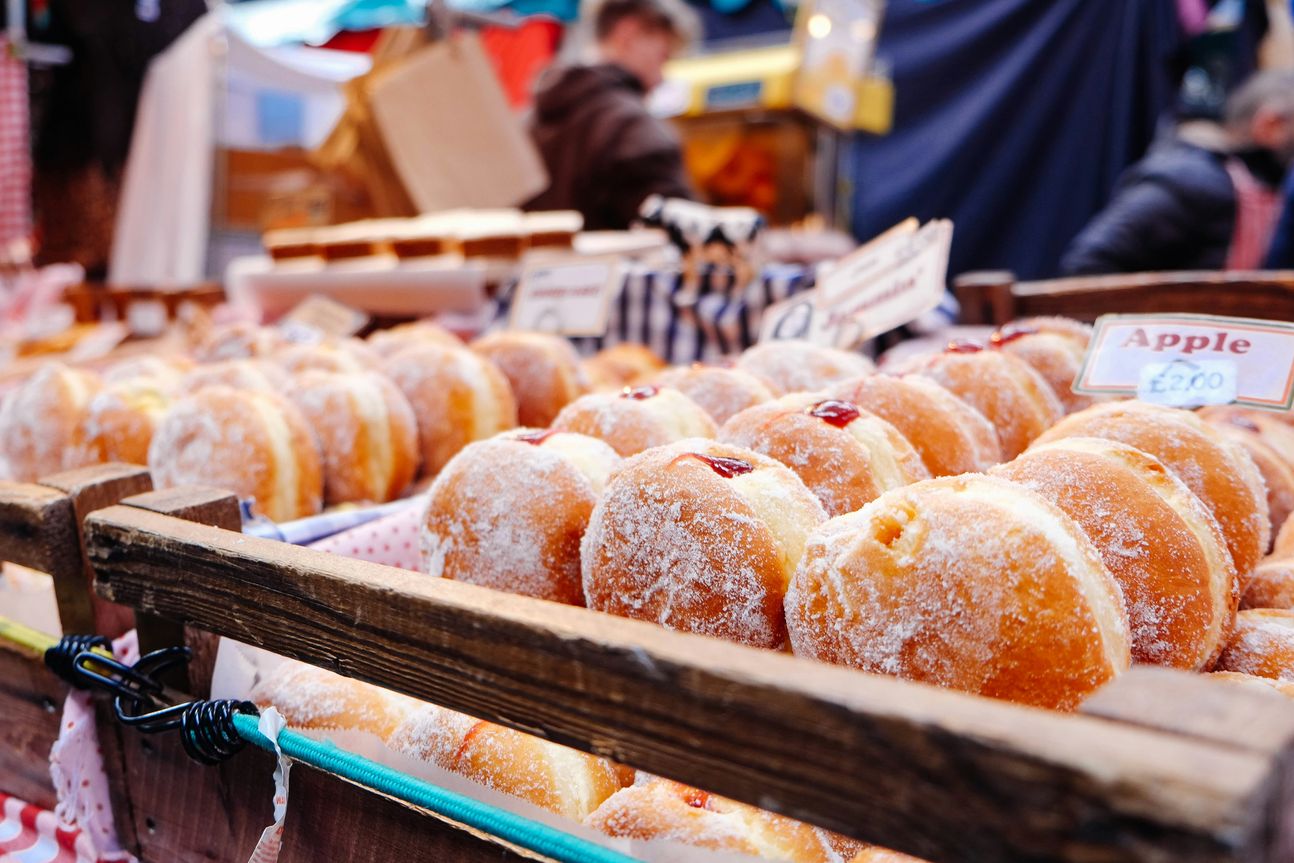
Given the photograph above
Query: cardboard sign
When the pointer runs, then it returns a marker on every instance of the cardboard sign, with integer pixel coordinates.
(1196, 359)
(318, 317)
(864, 263)
(569, 297)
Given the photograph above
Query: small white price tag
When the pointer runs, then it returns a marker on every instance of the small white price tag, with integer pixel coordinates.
(318, 317)
(1186, 383)
(146, 318)
(1260, 353)
(569, 297)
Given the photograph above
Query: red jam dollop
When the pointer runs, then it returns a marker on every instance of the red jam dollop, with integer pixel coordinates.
(725, 467)
(639, 393)
(835, 412)
(964, 346)
(1010, 333)
(535, 437)
(1245, 423)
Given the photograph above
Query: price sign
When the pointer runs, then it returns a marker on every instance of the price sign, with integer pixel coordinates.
(569, 297)
(318, 317)
(1189, 360)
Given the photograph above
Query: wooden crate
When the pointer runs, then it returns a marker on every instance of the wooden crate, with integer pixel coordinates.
(1158, 766)
(996, 297)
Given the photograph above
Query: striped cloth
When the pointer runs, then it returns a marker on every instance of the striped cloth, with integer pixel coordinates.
(1258, 207)
(15, 150)
(29, 834)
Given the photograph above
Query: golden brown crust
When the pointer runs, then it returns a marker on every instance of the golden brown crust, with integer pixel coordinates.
(1278, 475)
(1157, 539)
(338, 355)
(238, 341)
(366, 432)
(1058, 359)
(636, 419)
(845, 466)
(1251, 681)
(968, 582)
(1271, 585)
(255, 444)
(673, 542)
(620, 365)
(122, 417)
(543, 371)
(312, 698)
(258, 375)
(1005, 389)
(1284, 545)
(1220, 472)
(792, 367)
(388, 343)
(457, 397)
(1262, 645)
(951, 436)
(721, 392)
(42, 422)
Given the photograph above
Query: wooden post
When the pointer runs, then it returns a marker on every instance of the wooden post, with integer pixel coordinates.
(985, 297)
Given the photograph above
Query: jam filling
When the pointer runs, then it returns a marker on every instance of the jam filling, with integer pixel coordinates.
(964, 346)
(639, 393)
(535, 437)
(1010, 333)
(725, 467)
(835, 412)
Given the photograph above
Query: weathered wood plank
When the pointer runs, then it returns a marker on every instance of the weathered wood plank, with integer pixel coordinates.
(31, 700)
(939, 774)
(38, 530)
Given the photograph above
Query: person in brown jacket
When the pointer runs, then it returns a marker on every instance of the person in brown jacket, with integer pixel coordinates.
(604, 152)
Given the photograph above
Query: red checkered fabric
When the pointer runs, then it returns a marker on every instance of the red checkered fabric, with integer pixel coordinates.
(15, 149)
(29, 834)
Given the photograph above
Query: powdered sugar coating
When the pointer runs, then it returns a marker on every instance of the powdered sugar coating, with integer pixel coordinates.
(967, 582)
(1253, 682)
(239, 341)
(1271, 585)
(1058, 359)
(1220, 472)
(168, 370)
(42, 422)
(310, 697)
(245, 374)
(510, 515)
(122, 417)
(1262, 645)
(388, 343)
(1005, 389)
(631, 425)
(543, 371)
(722, 393)
(792, 367)
(341, 355)
(620, 365)
(672, 542)
(433, 734)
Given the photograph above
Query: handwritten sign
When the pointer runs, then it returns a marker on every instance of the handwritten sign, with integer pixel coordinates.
(318, 317)
(570, 297)
(1187, 360)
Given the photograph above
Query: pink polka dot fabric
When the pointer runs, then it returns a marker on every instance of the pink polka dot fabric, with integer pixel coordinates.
(392, 540)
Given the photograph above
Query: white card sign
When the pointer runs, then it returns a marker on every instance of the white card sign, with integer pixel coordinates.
(1189, 360)
(569, 297)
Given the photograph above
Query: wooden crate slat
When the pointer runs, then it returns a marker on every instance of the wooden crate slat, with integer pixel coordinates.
(848, 751)
(31, 700)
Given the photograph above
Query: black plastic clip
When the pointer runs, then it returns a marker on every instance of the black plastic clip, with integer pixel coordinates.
(61, 658)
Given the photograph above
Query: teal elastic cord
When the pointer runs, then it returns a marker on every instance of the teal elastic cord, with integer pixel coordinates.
(522, 832)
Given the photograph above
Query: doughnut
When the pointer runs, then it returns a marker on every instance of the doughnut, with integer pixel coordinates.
(1253, 682)
(968, 582)
(1270, 585)
(457, 397)
(388, 343)
(1284, 545)
(366, 432)
(257, 375)
(699, 536)
(790, 367)
(255, 444)
(1220, 472)
(312, 698)
(239, 341)
(845, 455)
(340, 355)
(722, 393)
(1278, 475)
(508, 513)
(122, 417)
(661, 809)
(1159, 541)
(42, 422)
(169, 370)
(636, 418)
(544, 372)
(1262, 644)
(950, 435)
(1054, 325)
(432, 733)
(1005, 389)
(1057, 357)
(883, 855)
(621, 365)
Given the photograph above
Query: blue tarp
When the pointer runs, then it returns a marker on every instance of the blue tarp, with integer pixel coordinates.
(1013, 118)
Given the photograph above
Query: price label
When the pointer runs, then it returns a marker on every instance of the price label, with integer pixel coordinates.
(569, 297)
(318, 317)
(1256, 360)
(1185, 383)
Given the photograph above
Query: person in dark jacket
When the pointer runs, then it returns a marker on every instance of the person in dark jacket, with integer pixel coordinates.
(1281, 254)
(604, 152)
(1177, 209)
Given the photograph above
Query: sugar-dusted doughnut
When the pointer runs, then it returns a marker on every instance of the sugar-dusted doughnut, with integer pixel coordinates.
(951, 436)
(1262, 644)
(255, 444)
(699, 536)
(457, 397)
(1056, 356)
(122, 417)
(636, 418)
(1055, 325)
(168, 369)
(845, 455)
(312, 698)
(1270, 585)
(431, 733)
(544, 372)
(388, 343)
(1219, 471)
(1005, 389)
(366, 432)
(792, 367)
(258, 375)
(42, 422)
(337, 355)
(969, 582)
(874, 854)
(621, 365)
(1156, 537)
(1270, 443)
(1254, 682)
(239, 341)
(660, 809)
(509, 512)
(721, 392)
(1284, 545)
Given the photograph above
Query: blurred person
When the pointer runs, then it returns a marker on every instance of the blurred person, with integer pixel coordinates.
(1280, 256)
(1205, 199)
(604, 152)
